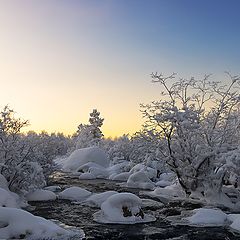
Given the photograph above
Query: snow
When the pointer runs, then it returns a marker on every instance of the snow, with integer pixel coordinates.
(3, 182)
(17, 223)
(163, 183)
(121, 176)
(124, 166)
(52, 188)
(98, 198)
(150, 172)
(8, 199)
(123, 208)
(140, 180)
(82, 156)
(41, 195)
(99, 172)
(74, 193)
(208, 217)
(87, 176)
(235, 222)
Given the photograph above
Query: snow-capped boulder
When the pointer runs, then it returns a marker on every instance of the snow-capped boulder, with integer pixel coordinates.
(121, 176)
(75, 194)
(19, 224)
(150, 172)
(8, 199)
(3, 182)
(97, 199)
(87, 176)
(99, 172)
(167, 177)
(85, 167)
(163, 183)
(41, 195)
(207, 217)
(140, 180)
(85, 155)
(123, 208)
(173, 190)
(235, 222)
(124, 166)
(52, 188)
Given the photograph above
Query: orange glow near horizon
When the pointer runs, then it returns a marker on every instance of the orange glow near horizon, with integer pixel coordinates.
(61, 59)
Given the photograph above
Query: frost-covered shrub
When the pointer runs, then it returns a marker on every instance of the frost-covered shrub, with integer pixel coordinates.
(21, 171)
(196, 122)
(46, 147)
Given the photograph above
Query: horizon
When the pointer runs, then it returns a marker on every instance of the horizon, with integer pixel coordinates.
(61, 59)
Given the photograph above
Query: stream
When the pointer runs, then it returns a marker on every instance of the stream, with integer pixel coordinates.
(80, 216)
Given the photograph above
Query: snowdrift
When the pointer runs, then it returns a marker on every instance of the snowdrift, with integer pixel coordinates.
(122, 208)
(19, 224)
(85, 155)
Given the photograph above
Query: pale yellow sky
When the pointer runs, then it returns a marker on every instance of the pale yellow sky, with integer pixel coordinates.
(61, 59)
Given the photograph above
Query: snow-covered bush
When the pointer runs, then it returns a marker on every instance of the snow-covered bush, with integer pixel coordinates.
(196, 122)
(21, 171)
(46, 147)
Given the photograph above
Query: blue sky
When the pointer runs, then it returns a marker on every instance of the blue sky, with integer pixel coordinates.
(62, 58)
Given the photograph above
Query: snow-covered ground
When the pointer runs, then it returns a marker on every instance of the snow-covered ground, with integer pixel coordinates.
(18, 224)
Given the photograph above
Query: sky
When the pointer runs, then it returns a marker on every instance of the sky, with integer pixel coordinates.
(62, 58)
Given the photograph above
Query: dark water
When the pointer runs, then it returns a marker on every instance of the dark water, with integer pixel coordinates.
(76, 215)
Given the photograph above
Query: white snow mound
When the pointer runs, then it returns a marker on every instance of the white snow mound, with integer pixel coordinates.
(208, 217)
(17, 223)
(41, 195)
(82, 156)
(97, 199)
(8, 199)
(123, 208)
(75, 194)
(140, 180)
(3, 182)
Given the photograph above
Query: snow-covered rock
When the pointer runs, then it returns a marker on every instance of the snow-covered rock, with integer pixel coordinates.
(8, 199)
(75, 194)
(99, 172)
(82, 156)
(97, 199)
(235, 222)
(52, 188)
(150, 172)
(87, 176)
(41, 195)
(173, 190)
(123, 208)
(163, 183)
(18, 224)
(207, 217)
(167, 177)
(124, 166)
(3, 182)
(140, 180)
(121, 176)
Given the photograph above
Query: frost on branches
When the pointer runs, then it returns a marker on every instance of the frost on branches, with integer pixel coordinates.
(197, 123)
(89, 135)
(21, 171)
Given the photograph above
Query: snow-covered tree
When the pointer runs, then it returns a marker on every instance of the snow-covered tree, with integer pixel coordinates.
(21, 171)
(45, 147)
(197, 121)
(90, 134)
